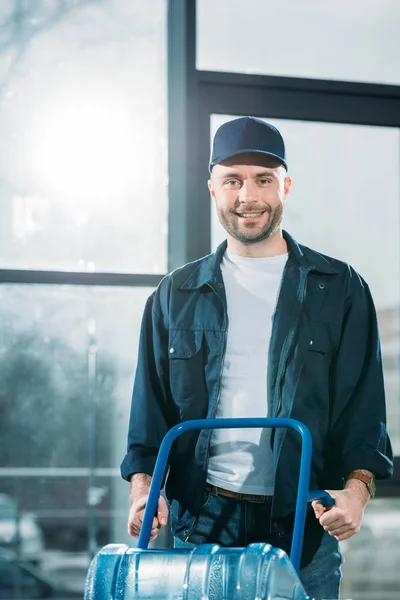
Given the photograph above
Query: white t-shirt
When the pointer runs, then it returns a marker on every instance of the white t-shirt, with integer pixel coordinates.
(241, 459)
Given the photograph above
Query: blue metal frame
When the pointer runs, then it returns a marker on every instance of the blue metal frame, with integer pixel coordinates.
(303, 495)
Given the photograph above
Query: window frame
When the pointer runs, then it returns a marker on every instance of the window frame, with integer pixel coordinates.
(196, 95)
(192, 97)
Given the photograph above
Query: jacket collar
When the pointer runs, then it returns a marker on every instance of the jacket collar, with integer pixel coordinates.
(302, 256)
(208, 270)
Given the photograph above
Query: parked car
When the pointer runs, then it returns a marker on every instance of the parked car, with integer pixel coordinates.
(27, 581)
(12, 523)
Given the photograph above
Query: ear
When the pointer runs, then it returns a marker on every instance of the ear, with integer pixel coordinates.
(287, 184)
(211, 188)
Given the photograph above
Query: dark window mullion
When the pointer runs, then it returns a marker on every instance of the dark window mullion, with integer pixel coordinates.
(284, 103)
(297, 83)
(9, 276)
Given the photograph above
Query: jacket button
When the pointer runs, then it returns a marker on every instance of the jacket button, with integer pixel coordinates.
(171, 350)
(321, 285)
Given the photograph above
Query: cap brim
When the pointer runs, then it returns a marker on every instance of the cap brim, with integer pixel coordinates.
(221, 159)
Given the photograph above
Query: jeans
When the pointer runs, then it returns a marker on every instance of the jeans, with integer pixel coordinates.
(229, 522)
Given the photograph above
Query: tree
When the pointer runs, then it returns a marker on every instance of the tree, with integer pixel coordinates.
(44, 404)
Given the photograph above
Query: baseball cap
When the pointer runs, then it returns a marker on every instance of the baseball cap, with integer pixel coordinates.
(246, 135)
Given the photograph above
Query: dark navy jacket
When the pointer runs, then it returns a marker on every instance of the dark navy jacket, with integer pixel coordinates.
(324, 370)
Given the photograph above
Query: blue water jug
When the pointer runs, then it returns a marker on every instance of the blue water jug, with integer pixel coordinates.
(208, 572)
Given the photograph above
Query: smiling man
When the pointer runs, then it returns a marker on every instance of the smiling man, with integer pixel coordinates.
(262, 327)
(250, 201)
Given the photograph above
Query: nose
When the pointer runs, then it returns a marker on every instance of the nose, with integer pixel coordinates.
(248, 193)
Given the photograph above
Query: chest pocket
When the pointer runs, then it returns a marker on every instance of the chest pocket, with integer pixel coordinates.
(186, 368)
(323, 338)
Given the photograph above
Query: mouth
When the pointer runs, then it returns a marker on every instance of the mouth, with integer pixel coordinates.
(250, 215)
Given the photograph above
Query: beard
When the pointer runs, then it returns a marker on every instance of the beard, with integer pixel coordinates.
(252, 233)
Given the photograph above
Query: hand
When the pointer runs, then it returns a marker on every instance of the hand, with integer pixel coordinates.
(136, 514)
(344, 519)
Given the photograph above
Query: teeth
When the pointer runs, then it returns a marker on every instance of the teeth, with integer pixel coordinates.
(251, 214)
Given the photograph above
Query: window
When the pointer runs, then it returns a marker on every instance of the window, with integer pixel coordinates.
(352, 40)
(83, 164)
(345, 203)
(83, 188)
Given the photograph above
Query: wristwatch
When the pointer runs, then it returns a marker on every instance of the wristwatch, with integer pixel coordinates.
(366, 477)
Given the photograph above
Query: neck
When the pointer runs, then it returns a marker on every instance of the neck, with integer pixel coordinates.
(272, 246)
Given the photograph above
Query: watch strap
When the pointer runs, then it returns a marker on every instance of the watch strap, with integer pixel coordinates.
(366, 477)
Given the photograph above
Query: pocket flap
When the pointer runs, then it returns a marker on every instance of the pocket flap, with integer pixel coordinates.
(184, 343)
(321, 339)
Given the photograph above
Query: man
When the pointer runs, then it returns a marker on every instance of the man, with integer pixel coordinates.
(262, 327)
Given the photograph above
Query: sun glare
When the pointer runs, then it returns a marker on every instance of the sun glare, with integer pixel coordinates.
(86, 150)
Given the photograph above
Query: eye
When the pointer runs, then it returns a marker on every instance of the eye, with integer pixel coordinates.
(264, 181)
(232, 183)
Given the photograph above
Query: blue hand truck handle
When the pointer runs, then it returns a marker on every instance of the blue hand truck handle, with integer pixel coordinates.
(303, 496)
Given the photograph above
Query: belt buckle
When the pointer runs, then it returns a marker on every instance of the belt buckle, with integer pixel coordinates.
(212, 489)
(260, 499)
(257, 499)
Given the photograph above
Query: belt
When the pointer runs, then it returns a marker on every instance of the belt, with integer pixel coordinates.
(217, 491)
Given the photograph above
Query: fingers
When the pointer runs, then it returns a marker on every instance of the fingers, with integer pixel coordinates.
(343, 533)
(345, 536)
(154, 530)
(136, 515)
(343, 520)
(334, 516)
(343, 527)
(318, 507)
(135, 525)
(339, 523)
(162, 512)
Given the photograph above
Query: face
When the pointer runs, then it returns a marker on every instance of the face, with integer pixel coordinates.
(250, 193)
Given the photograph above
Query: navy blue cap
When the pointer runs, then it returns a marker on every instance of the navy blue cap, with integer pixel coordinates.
(246, 135)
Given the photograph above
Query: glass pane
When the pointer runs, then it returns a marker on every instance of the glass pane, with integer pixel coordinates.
(372, 557)
(68, 363)
(354, 40)
(83, 164)
(345, 202)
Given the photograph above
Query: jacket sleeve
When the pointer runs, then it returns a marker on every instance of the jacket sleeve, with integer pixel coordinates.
(359, 437)
(152, 414)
